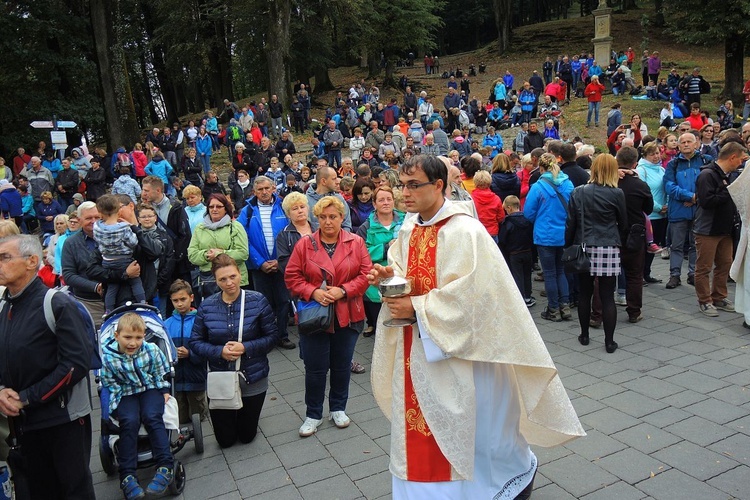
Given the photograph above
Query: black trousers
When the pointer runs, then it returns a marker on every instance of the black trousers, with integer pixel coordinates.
(240, 425)
(57, 461)
(520, 268)
(632, 265)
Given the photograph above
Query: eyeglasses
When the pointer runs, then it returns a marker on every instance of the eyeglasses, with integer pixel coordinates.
(411, 186)
(215, 207)
(6, 257)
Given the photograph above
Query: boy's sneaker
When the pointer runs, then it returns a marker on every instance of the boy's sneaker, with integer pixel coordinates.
(530, 302)
(653, 248)
(131, 489)
(709, 310)
(551, 315)
(309, 427)
(340, 419)
(665, 253)
(161, 481)
(724, 305)
(565, 311)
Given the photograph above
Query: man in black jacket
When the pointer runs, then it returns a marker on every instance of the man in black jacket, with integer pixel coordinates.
(638, 203)
(713, 224)
(410, 102)
(275, 109)
(67, 183)
(567, 157)
(534, 139)
(44, 373)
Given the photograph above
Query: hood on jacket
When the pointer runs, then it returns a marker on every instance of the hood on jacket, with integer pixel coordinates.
(561, 177)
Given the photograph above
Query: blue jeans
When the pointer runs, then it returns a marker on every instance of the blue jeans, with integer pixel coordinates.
(680, 230)
(113, 288)
(206, 161)
(593, 107)
(334, 155)
(555, 282)
(323, 353)
(273, 288)
(145, 408)
(619, 88)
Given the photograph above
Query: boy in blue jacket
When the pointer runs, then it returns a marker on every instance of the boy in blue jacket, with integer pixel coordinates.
(190, 372)
(133, 371)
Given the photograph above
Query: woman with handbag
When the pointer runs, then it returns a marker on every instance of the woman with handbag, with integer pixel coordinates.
(596, 219)
(234, 330)
(217, 234)
(546, 207)
(330, 268)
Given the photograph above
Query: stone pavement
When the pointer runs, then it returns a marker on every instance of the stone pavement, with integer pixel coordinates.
(667, 416)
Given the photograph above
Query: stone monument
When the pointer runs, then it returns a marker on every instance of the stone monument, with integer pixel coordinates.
(602, 41)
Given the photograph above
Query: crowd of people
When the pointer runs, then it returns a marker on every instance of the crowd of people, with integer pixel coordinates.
(228, 265)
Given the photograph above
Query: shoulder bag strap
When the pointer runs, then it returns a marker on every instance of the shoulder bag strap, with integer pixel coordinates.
(239, 331)
(583, 220)
(559, 196)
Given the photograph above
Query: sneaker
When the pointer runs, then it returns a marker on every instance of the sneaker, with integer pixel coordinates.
(621, 300)
(674, 282)
(131, 489)
(651, 279)
(340, 419)
(565, 311)
(724, 305)
(543, 293)
(653, 248)
(635, 319)
(539, 277)
(709, 310)
(530, 302)
(287, 344)
(309, 426)
(665, 253)
(691, 280)
(357, 368)
(595, 323)
(551, 315)
(161, 481)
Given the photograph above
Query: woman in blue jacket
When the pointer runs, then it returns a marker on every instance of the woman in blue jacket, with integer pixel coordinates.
(159, 167)
(547, 207)
(214, 337)
(204, 148)
(493, 141)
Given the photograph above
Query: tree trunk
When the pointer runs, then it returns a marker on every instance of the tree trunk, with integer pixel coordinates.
(502, 9)
(102, 31)
(322, 80)
(363, 57)
(659, 17)
(277, 50)
(734, 55)
(390, 67)
(166, 85)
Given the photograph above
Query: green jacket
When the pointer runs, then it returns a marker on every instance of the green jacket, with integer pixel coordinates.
(232, 238)
(378, 240)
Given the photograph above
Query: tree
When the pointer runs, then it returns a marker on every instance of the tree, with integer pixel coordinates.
(705, 22)
(277, 49)
(502, 10)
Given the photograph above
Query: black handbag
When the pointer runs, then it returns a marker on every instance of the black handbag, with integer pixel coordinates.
(574, 257)
(313, 318)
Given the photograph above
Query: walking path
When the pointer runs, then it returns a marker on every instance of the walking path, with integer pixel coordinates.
(667, 416)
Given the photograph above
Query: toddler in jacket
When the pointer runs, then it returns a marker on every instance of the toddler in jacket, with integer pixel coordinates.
(117, 243)
(190, 372)
(133, 372)
(126, 185)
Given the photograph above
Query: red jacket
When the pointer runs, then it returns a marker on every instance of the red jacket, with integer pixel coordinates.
(349, 268)
(525, 176)
(20, 162)
(594, 91)
(489, 209)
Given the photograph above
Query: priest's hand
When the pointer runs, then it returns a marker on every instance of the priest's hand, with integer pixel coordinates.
(378, 273)
(401, 307)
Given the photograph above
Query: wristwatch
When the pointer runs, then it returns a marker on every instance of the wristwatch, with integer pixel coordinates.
(343, 290)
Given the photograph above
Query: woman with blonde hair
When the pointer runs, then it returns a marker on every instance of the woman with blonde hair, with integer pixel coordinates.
(505, 181)
(597, 219)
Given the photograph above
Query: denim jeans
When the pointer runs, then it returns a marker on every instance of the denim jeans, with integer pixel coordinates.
(619, 88)
(334, 155)
(323, 353)
(206, 162)
(593, 107)
(272, 286)
(680, 230)
(113, 287)
(145, 408)
(745, 111)
(555, 282)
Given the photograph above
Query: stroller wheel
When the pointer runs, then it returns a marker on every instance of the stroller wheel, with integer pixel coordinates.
(179, 479)
(197, 432)
(107, 457)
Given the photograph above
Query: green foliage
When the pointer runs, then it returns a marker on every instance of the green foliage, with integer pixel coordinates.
(707, 22)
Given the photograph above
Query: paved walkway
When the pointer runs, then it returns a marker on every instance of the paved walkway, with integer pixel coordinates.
(667, 416)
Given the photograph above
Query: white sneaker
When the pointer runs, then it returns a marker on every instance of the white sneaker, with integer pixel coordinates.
(310, 426)
(620, 299)
(340, 419)
(665, 253)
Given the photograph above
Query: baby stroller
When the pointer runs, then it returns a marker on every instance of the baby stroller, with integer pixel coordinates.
(157, 334)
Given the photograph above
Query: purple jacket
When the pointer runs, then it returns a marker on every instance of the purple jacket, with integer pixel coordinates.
(654, 65)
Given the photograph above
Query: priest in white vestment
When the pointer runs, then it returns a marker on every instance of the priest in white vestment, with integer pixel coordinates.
(470, 385)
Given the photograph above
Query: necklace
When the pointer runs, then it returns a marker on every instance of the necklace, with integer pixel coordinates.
(330, 248)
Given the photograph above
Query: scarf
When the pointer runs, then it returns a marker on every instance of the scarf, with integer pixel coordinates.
(213, 226)
(243, 185)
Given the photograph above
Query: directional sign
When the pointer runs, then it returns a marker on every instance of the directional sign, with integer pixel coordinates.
(49, 124)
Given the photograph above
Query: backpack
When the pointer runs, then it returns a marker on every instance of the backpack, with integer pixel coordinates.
(49, 316)
(123, 160)
(234, 133)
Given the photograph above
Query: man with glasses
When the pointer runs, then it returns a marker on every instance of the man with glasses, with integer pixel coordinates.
(44, 374)
(456, 390)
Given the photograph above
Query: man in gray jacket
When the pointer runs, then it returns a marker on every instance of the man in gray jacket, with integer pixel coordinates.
(333, 139)
(325, 185)
(441, 138)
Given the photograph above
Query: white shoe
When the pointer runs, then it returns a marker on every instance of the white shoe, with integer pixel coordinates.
(620, 299)
(310, 426)
(340, 419)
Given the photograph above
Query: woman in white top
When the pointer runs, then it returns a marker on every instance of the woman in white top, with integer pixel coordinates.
(635, 122)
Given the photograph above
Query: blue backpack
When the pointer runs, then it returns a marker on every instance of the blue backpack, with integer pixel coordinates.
(49, 316)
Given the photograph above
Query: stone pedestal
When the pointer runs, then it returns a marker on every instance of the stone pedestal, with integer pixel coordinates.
(602, 41)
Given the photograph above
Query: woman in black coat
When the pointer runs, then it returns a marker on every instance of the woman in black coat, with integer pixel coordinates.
(96, 181)
(505, 181)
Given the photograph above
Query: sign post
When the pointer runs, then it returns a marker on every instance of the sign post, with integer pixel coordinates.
(58, 137)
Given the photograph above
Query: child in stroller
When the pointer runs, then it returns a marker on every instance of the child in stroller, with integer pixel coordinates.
(134, 385)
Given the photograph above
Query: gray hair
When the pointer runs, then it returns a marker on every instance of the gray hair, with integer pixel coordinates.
(28, 244)
(261, 179)
(86, 205)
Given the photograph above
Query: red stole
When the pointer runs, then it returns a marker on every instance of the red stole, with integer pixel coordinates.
(424, 460)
